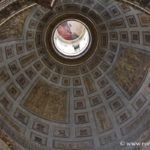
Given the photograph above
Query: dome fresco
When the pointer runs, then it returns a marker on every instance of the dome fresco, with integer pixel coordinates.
(70, 30)
(95, 99)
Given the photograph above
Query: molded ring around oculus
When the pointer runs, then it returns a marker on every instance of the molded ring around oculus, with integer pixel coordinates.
(49, 42)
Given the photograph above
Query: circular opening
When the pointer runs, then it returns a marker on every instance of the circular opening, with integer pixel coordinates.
(54, 52)
(71, 38)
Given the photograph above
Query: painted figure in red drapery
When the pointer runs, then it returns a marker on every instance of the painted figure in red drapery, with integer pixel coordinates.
(65, 31)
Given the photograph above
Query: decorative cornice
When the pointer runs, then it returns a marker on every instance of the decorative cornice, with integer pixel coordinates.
(141, 5)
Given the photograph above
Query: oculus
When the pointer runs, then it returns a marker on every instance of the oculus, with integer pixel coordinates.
(71, 38)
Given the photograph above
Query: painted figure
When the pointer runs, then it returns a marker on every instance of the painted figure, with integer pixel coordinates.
(65, 32)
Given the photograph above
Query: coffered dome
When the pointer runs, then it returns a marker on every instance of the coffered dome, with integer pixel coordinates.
(74, 76)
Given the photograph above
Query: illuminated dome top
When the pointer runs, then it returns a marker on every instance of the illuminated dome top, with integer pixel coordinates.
(71, 38)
